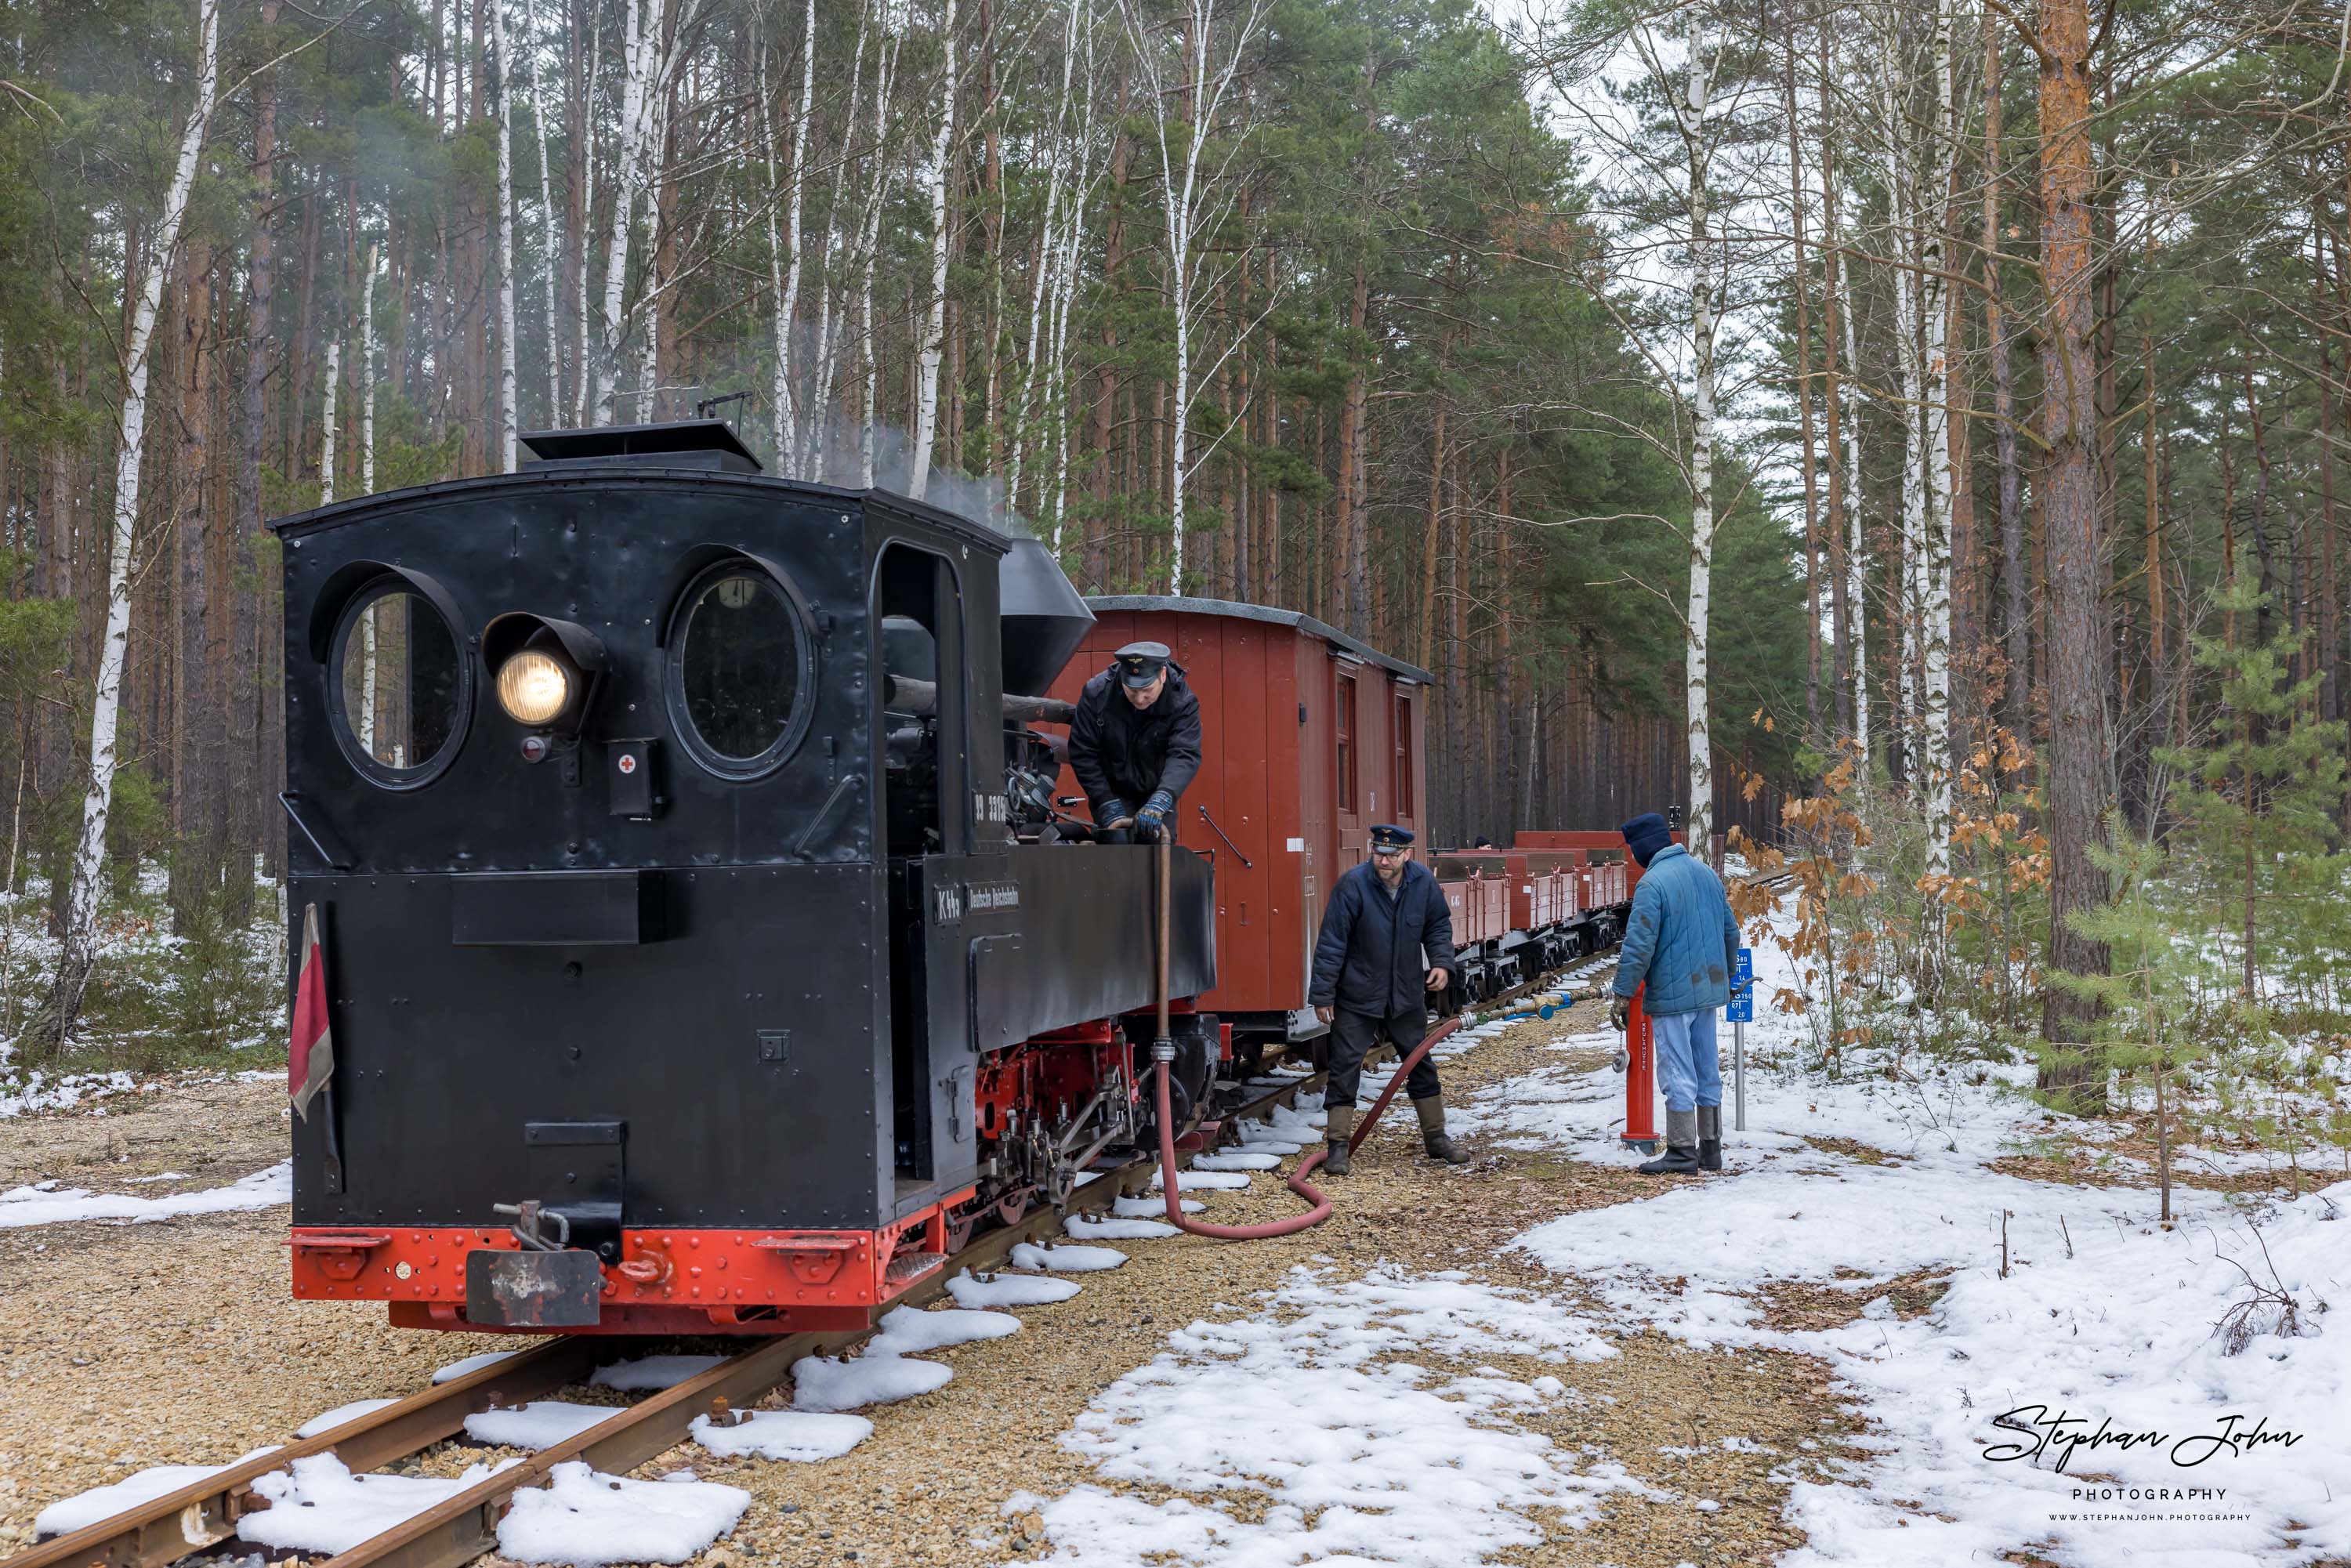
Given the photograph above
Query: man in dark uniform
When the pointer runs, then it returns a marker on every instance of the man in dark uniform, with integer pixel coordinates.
(1135, 743)
(1386, 947)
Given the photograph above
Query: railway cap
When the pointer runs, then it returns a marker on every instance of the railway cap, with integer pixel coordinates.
(1387, 838)
(1140, 664)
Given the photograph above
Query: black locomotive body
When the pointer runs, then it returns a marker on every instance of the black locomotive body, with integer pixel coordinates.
(699, 951)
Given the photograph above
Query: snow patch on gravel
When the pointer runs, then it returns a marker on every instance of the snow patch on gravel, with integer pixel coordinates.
(907, 1331)
(823, 1385)
(326, 1421)
(1087, 1228)
(1339, 1454)
(82, 1510)
(802, 1437)
(319, 1508)
(1066, 1259)
(1148, 1207)
(1009, 1291)
(588, 1519)
(541, 1424)
(1236, 1160)
(1198, 1180)
(46, 1204)
(457, 1369)
(650, 1373)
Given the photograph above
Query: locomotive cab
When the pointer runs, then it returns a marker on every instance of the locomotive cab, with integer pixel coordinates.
(676, 917)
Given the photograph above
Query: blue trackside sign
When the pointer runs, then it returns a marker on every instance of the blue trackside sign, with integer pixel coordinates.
(1742, 988)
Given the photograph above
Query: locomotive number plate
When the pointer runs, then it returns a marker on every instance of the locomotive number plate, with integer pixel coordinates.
(533, 1289)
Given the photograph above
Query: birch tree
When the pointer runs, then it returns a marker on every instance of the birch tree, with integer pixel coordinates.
(1187, 78)
(641, 46)
(784, 278)
(935, 331)
(509, 418)
(539, 98)
(327, 445)
(77, 951)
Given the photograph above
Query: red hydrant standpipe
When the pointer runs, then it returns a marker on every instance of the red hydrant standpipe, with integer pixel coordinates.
(1163, 1052)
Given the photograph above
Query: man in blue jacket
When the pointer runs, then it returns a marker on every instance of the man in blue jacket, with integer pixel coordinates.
(1386, 947)
(1684, 941)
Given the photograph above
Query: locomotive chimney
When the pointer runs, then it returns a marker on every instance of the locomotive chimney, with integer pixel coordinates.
(1043, 619)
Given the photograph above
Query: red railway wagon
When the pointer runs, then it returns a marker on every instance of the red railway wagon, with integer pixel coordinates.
(1307, 738)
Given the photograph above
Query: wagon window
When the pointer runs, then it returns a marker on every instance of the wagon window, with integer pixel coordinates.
(399, 685)
(1346, 726)
(738, 669)
(1402, 788)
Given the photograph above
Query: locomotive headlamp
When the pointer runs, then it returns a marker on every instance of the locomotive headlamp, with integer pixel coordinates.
(547, 671)
(534, 687)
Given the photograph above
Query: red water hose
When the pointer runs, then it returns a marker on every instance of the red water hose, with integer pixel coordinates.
(1299, 1182)
(1163, 1051)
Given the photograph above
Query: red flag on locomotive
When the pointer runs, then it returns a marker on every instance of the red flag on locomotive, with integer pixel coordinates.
(310, 1062)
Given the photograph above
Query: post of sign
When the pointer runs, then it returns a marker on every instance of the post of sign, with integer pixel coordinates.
(1740, 1012)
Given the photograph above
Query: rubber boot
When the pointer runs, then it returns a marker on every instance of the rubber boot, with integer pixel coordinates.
(1341, 1128)
(1431, 1113)
(1681, 1157)
(1709, 1137)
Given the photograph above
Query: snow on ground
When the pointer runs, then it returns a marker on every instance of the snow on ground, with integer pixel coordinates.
(40, 1091)
(328, 1420)
(588, 1519)
(650, 1373)
(319, 1508)
(823, 1385)
(1146, 1208)
(540, 1424)
(1198, 1180)
(907, 1331)
(85, 1509)
(802, 1437)
(1066, 1259)
(457, 1369)
(1087, 1228)
(2102, 1329)
(1236, 1161)
(1292, 1436)
(1009, 1291)
(46, 1203)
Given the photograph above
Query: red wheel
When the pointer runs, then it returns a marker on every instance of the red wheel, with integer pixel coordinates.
(1014, 1207)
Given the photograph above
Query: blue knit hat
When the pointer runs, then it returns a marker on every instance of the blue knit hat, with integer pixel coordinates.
(1645, 835)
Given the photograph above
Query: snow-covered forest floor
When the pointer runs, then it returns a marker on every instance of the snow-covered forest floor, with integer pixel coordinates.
(1855, 1346)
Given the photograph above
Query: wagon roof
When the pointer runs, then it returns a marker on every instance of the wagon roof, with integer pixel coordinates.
(1234, 610)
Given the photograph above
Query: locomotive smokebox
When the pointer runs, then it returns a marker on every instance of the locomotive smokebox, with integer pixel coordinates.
(1043, 618)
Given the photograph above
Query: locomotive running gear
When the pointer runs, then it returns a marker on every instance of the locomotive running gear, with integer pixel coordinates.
(1388, 836)
(1377, 946)
(1340, 1128)
(1689, 1065)
(1681, 1157)
(1353, 1035)
(1709, 1137)
(1120, 752)
(1645, 835)
(1681, 938)
(1154, 815)
(1140, 663)
(1620, 1013)
(1431, 1113)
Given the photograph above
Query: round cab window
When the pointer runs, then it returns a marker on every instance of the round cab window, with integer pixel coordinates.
(399, 685)
(739, 665)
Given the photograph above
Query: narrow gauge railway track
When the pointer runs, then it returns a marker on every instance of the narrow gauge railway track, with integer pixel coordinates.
(203, 1513)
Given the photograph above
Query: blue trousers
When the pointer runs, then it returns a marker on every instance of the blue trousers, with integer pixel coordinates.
(1688, 1061)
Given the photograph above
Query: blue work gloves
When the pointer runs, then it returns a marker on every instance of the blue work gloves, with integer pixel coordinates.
(1113, 815)
(1153, 818)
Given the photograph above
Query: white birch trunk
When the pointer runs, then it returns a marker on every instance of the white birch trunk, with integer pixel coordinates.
(885, 74)
(546, 216)
(1935, 543)
(77, 951)
(1692, 116)
(582, 382)
(326, 450)
(639, 32)
(934, 331)
(508, 371)
(366, 378)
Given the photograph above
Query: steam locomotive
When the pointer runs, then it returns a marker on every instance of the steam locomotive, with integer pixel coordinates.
(708, 942)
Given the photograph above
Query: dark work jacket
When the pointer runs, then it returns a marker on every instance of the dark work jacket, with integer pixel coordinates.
(1120, 752)
(1369, 958)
